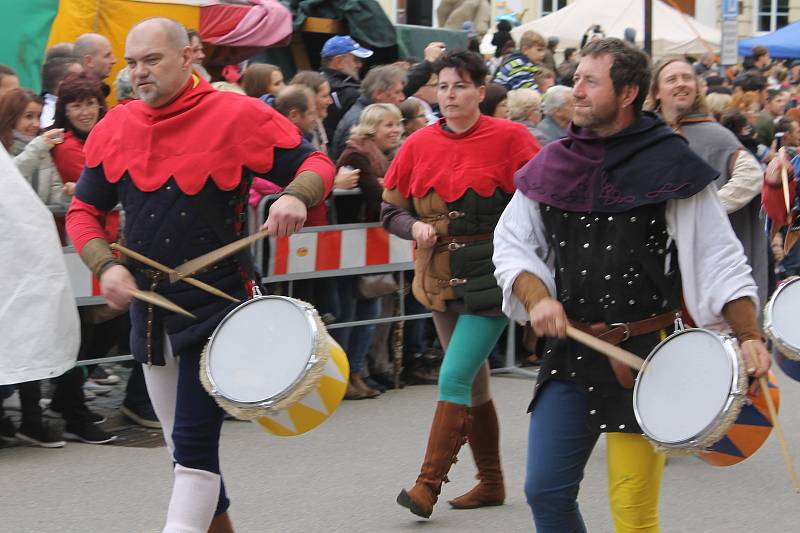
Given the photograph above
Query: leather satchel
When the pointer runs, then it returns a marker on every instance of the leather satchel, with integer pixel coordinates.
(375, 285)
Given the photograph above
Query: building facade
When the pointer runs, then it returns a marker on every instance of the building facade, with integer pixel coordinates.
(756, 17)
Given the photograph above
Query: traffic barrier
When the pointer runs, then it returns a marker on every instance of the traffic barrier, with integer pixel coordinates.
(314, 252)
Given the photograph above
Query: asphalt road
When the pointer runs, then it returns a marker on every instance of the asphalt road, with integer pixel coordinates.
(345, 475)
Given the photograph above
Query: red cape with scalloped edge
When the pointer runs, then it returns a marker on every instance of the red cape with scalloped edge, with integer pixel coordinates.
(483, 158)
(202, 134)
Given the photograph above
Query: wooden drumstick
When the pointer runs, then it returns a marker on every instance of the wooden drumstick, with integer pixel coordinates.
(156, 299)
(773, 414)
(199, 263)
(606, 348)
(167, 270)
(785, 182)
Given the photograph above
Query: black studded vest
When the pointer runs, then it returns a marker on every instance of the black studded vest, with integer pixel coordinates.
(172, 228)
(609, 268)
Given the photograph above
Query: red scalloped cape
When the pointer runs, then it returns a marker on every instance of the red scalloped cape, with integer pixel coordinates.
(483, 158)
(202, 134)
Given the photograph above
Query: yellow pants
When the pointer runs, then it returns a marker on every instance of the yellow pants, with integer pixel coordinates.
(634, 480)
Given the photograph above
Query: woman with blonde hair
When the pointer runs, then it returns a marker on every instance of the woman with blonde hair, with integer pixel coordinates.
(262, 80)
(524, 106)
(377, 134)
(718, 103)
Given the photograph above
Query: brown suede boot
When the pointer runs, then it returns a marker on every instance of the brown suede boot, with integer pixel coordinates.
(448, 433)
(484, 439)
(221, 524)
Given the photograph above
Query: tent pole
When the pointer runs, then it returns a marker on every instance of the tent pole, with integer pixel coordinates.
(648, 27)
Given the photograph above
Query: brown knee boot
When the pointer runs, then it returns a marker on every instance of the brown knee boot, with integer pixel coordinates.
(221, 524)
(484, 439)
(448, 433)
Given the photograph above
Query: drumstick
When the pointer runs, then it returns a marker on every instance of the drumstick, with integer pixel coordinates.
(167, 270)
(605, 348)
(785, 182)
(156, 299)
(199, 263)
(773, 414)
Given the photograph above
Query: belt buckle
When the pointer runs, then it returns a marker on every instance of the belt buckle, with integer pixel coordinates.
(622, 325)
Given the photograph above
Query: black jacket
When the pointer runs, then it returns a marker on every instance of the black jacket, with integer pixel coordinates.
(345, 90)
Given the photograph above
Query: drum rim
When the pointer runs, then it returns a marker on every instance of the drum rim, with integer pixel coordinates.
(265, 402)
(735, 395)
(788, 349)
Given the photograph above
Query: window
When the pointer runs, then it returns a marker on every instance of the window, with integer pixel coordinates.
(771, 15)
(550, 6)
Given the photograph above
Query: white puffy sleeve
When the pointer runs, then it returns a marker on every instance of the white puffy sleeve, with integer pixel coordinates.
(747, 178)
(713, 266)
(520, 246)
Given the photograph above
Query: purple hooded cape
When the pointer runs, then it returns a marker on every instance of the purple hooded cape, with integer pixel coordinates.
(646, 163)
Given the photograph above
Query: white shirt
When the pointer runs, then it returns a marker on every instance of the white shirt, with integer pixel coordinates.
(711, 260)
(48, 111)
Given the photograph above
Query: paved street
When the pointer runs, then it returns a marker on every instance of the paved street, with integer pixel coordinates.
(344, 476)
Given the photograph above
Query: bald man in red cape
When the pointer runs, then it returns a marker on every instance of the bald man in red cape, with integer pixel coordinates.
(180, 161)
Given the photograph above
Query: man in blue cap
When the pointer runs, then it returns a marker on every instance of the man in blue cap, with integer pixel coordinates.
(341, 60)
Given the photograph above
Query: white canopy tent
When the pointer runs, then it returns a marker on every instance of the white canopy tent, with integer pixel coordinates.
(673, 32)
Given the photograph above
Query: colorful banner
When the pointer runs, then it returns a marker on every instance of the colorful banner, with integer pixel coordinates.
(29, 27)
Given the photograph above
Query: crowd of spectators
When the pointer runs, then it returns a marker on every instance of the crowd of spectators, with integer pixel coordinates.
(360, 123)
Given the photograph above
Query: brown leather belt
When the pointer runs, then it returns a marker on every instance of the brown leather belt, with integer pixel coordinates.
(619, 332)
(453, 243)
(447, 239)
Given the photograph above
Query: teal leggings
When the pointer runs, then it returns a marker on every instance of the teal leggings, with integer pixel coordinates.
(472, 341)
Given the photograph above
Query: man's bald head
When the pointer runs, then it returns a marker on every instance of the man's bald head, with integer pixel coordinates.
(173, 31)
(95, 54)
(159, 59)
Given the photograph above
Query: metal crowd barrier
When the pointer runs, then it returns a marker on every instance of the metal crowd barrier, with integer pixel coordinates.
(88, 292)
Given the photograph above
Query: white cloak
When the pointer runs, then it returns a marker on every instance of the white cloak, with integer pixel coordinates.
(39, 323)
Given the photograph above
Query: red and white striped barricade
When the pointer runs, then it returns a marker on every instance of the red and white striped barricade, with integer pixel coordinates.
(340, 250)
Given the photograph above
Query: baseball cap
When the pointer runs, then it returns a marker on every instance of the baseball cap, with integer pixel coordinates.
(344, 44)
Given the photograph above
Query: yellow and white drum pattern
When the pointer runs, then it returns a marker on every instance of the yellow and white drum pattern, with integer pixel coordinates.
(320, 403)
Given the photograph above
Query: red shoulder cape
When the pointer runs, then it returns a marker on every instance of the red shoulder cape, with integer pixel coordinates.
(202, 134)
(483, 158)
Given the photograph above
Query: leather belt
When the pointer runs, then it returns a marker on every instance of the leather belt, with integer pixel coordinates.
(619, 332)
(460, 241)
(447, 239)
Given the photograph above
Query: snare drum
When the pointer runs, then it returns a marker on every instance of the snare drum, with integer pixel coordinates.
(691, 391)
(780, 318)
(271, 361)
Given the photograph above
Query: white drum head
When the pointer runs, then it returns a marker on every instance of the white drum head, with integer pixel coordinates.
(782, 318)
(260, 349)
(684, 387)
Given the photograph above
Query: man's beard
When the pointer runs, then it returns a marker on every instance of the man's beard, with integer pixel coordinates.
(148, 96)
(596, 119)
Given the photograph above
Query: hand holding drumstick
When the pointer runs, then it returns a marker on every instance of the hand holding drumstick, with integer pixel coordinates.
(286, 216)
(119, 288)
(549, 320)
